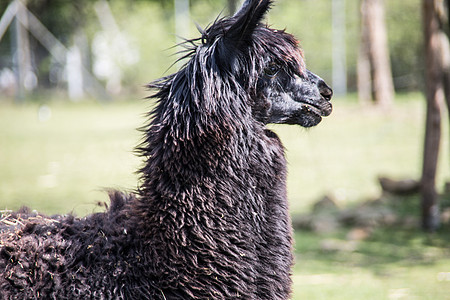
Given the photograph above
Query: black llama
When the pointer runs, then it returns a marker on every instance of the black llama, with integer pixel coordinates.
(210, 219)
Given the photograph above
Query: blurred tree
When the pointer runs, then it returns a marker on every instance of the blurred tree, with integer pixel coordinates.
(405, 37)
(437, 70)
(62, 18)
(310, 21)
(339, 51)
(444, 18)
(374, 69)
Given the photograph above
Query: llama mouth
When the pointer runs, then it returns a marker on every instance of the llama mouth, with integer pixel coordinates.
(311, 113)
(308, 116)
(323, 108)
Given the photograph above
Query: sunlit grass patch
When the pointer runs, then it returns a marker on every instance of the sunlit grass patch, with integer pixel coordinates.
(62, 163)
(392, 264)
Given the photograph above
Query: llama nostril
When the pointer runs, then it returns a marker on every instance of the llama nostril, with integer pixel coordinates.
(327, 93)
(325, 90)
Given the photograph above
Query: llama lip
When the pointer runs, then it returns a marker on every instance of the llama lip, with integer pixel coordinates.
(326, 108)
(323, 108)
(308, 108)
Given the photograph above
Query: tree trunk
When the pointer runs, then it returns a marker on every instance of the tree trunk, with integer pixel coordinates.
(382, 76)
(339, 63)
(445, 50)
(374, 41)
(435, 96)
(430, 205)
(22, 56)
(364, 80)
(446, 69)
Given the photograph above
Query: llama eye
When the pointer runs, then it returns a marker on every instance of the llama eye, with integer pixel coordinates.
(272, 69)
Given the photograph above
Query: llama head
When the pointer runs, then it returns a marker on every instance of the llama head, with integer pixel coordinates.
(268, 64)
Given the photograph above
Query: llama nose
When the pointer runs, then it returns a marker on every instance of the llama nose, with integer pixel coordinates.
(325, 90)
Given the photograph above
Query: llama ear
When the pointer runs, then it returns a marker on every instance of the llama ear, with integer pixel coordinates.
(247, 19)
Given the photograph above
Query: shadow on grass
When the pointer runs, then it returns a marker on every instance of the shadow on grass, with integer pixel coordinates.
(387, 248)
(384, 247)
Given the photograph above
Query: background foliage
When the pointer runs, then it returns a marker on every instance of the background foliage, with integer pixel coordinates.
(149, 25)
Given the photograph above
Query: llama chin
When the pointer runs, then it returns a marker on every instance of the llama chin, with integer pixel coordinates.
(210, 218)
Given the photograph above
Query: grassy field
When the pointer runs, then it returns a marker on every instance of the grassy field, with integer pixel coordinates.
(60, 157)
(392, 264)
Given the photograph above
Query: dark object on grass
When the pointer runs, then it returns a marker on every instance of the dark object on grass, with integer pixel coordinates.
(210, 219)
(399, 187)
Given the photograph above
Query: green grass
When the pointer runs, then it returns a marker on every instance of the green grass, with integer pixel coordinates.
(391, 264)
(62, 164)
(87, 146)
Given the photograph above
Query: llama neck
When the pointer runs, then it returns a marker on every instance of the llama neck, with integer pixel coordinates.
(213, 196)
(194, 135)
(206, 158)
(181, 167)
